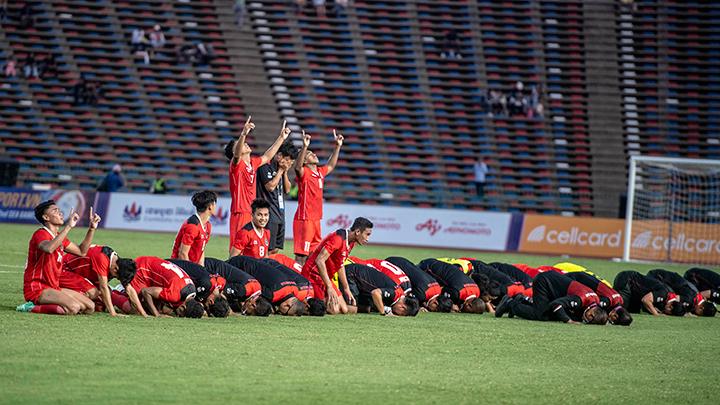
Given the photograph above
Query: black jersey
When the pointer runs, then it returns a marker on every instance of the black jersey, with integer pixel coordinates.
(456, 284)
(265, 174)
(514, 273)
(199, 276)
(499, 281)
(703, 279)
(288, 272)
(633, 286)
(424, 286)
(686, 290)
(363, 280)
(239, 285)
(276, 286)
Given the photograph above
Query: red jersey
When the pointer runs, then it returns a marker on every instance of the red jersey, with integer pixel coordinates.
(156, 272)
(250, 243)
(192, 233)
(337, 245)
(94, 265)
(310, 194)
(286, 261)
(586, 294)
(394, 272)
(43, 269)
(242, 184)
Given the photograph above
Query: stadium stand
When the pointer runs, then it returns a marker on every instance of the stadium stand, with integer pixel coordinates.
(611, 80)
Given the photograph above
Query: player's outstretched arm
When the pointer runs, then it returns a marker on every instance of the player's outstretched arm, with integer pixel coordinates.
(647, 302)
(249, 126)
(49, 246)
(183, 252)
(376, 295)
(135, 301)
(332, 162)
(94, 221)
(300, 161)
(105, 294)
(272, 150)
(149, 294)
(342, 278)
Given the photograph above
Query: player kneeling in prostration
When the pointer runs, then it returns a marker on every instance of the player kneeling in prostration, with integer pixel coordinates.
(253, 239)
(461, 289)
(706, 281)
(610, 300)
(373, 290)
(158, 279)
(43, 271)
(277, 287)
(556, 298)
(327, 260)
(642, 292)
(207, 288)
(691, 299)
(424, 287)
(313, 306)
(231, 283)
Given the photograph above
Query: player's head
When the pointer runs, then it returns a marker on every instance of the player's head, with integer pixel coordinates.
(258, 306)
(441, 303)
(473, 306)
(245, 149)
(219, 308)
(112, 261)
(291, 307)
(619, 316)
(48, 213)
(126, 271)
(315, 307)
(705, 308)
(594, 315)
(204, 201)
(193, 309)
(674, 307)
(287, 151)
(406, 306)
(361, 230)
(311, 158)
(260, 212)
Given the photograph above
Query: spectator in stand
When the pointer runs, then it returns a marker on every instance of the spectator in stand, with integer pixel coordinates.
(481, 169)
(340, 8)
(3, 11)
(451, 46)
(26, 17)
(11, 68)
(517, 102)
(157, 37)
(92, 93)
(79, 89)
(498, 103)
(48, 67)
(319, 8)
(114, 180)
(240, 9)
(204, 53)
(300, 6)
(30, 66)
(140, 45)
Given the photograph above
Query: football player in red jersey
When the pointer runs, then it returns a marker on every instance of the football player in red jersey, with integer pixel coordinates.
(307, 230)
(243, 170)
(47, 247)
(253, 239)
(327, 260)
(194, 234)
(97, 267)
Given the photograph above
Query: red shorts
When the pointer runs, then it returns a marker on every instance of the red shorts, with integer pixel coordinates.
(177, 293)
(319, 290)
(237, 221)
(33, 294)
(75, 282)
(306, 236)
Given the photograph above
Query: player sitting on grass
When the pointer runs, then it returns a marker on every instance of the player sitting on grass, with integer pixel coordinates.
(373, 290)
(690, 297)
(706, 281)
(642, 292)
(461, 289)
(253, 239)
(556, 298)
(305, 294)
(43, 269)
(99, 265)
(232, 284)
(327, 260)
(310, 177)
(278, 287)
(243, 174)
(424, 287)
(194, 234)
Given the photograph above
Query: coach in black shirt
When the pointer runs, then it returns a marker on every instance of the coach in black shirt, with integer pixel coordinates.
(272, 185)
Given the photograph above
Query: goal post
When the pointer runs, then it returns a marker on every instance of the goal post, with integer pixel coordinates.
(673, 210)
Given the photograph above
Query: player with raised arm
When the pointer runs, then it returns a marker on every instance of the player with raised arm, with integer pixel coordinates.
(242, 174)
(47, 247)
(253, 239)
(273, 184)
(307, 229)
(327, 260)
(194, 234)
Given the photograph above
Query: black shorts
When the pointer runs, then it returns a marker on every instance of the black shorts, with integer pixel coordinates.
(277, 233)
(187, 291)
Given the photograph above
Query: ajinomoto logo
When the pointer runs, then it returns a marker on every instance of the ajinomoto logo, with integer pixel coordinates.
(572, 235)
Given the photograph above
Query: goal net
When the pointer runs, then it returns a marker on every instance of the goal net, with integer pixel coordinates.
(673, 210)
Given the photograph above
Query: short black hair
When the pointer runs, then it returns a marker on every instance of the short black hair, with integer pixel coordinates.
(263, 307)
(194, 309)
(445, 304)
(677, 309)
(126, 271)
(259, 203)
(412, 306)
(623, 317)
(297, 309)
(229, 149)
(235, 305)
(220, 308)
(477, 306)
(316, 307)
(600, 318)
(41, 208)
(289, 149)
(107, 251)
(361, 224)
(202, 200)
(708, 309)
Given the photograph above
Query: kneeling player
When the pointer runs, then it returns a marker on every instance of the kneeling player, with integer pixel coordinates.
(305, 293)
(424, 287)
(706, 281)
(639, 291)
(158, 279)
(277, 288)
(556, 298)
(372, 289)
(207, 288)
(95, 269)
(253, 239)
(690, 297)
(610, 300)
(233, 284)
(461, 289)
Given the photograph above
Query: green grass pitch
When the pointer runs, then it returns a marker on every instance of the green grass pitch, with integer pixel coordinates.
(434, 358)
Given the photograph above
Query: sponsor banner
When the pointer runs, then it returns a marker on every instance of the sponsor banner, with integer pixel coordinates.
(17, 205)
(417, 226)
(165, 213)
(578, 236)
(688, 242)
